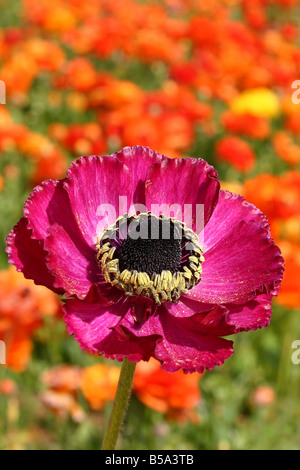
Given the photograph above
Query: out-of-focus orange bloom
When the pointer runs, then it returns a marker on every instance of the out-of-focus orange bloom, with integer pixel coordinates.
(255, 127)
(56, 17)
(237, 152)
(156, 45)
(286, 148)
(175, 395)
(5, 117)
(263, 396)
(119, 93)
(49, 160)
(288, 107)
(62, 378)
(18, 74)
(2, 183)
(232, 186)
(8, 387)
(81, 139)
(279, 198)
(77, 101)
(99, 384)
(61, 396)
(78, 74)
(289, 295)
(47, 55)
(287, 229)
(292, 123)
(144, 131)
(177, 131)
(276, 196)
(23, 306)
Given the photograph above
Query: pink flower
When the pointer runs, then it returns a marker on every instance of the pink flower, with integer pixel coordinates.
(138, 297)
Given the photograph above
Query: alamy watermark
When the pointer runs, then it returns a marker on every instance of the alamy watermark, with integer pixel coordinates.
(2, 353)
(191, 214)
(2, 92)
(296, 94)
(296, 354)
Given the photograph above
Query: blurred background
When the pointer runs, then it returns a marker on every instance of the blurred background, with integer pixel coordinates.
(217, 79)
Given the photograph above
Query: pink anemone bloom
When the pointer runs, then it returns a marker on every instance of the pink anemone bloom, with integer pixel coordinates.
(153, 259)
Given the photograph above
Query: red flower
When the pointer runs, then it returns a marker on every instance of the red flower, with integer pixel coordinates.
(237, 152)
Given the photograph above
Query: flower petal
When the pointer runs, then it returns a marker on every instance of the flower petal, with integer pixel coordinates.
(230, 210)
(46, 205)
(72, 262)
(182, 344)
(241, 265)
(94, 185)
(28, 255)
(183, 347)
(139, 160)
(186, 307)
(227, 319)
(184, 182)
(95, 326)
(253, 315)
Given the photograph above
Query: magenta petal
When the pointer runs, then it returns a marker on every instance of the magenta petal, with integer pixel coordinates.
(139, 160)
(28, 255)
(91, 322)
(227, 319)
(95, 185)
(187, 307)
(98, 328)
(184, 183)
(244, 263)
(184, 347)
(253, 315)
(46, 205)
(183, 344)
(230, 210)
(71, 261)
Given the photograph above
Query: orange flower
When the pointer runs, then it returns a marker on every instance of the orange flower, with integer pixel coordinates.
(22, 308)
(286, 148)
(62, 378)
(287, 229)
(289, 295)
(119, 93)
(99, 384)
(82, 139)
(174, 394)
(255, 127)
(47, 55)
(50, 162)
(61, 395)
(8, 387)
(292, 123)
(78, 74)
(279, 198)
(235, 151)
(18, 74)
(2, 183)
(276, 196)
(263, 396)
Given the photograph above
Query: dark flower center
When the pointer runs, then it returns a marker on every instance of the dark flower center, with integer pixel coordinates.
(151, 255)
(155, 257)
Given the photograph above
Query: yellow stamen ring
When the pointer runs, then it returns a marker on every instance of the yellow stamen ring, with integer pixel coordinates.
(161, 287)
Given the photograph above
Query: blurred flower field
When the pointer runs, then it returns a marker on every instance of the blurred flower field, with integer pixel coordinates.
(211, 79)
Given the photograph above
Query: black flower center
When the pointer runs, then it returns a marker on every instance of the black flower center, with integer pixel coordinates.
(151, 255)
(155, 257)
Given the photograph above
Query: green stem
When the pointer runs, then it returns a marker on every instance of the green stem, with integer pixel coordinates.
(119, 406)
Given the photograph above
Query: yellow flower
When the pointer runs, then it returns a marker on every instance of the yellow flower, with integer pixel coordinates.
(258, 102)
